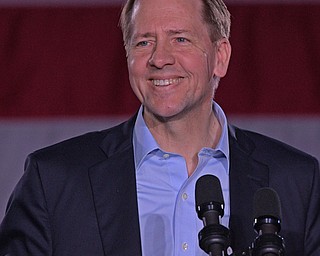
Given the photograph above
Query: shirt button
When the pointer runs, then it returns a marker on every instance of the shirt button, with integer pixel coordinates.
(184, 246)
(166, 156)
(184, 196)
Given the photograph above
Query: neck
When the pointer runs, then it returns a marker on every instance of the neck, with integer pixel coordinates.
(187, 136)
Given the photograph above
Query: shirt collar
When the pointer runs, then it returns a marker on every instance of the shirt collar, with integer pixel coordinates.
(223, 144)
(144, 142)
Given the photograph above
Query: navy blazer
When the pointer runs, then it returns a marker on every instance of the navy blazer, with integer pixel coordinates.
(78, 197)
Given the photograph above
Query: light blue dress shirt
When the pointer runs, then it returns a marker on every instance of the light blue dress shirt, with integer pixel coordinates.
(166, 195)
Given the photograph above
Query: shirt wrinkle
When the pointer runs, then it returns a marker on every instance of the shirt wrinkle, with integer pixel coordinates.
(169, 224)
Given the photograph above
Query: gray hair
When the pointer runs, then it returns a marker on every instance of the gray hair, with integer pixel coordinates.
(215, 14)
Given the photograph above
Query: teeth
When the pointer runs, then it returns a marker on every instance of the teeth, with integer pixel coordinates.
(165, 82)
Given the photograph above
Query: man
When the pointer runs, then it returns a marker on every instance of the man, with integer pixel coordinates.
(129, 190)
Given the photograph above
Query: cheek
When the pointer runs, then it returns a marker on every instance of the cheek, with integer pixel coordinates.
(136, 72)
(207, 56)
(136, 65)
(135, 81)
(131, 63)
(199, 65)
(137, 88)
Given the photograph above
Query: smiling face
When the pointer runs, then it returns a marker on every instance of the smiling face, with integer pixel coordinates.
(171, 58)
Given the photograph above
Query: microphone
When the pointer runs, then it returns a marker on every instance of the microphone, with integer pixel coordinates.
(214, 237)
(267, 223)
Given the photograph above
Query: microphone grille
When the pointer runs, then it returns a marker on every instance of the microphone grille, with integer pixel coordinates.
(266, 202)
(208, 189)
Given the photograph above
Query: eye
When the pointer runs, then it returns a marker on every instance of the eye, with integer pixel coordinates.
(142, 43)
(182, 40)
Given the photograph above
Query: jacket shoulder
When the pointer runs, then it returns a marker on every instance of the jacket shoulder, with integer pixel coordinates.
(86, 146)
(267, 149)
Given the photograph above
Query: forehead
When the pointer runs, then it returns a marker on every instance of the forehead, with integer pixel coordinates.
(167, 13)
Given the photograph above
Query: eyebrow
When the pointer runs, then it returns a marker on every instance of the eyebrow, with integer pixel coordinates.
(143, 35)
(177, 31)
(170, 32)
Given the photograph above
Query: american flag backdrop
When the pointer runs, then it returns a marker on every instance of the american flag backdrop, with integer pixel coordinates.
(63, 73)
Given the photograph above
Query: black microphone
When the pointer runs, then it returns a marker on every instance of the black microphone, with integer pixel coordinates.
(267, 223)
(214, 237)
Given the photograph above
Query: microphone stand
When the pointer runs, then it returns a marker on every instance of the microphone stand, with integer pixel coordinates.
(214, 239)
(268, 242)
(268, 245)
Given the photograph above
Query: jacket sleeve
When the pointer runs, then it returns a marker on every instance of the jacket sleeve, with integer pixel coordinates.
(25, 229)
(312, 234)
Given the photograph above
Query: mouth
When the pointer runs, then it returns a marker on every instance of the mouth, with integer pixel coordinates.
(165, 82)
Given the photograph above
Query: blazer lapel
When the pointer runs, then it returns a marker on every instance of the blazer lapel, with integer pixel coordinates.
(114, 193)
(115, 197)
(246, 176)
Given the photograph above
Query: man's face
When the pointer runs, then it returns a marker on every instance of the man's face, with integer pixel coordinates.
(171, 58)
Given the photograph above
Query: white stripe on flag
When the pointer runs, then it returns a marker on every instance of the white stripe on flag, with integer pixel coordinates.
(21, 137)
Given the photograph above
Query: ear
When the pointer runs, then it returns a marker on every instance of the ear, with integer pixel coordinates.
(223, 53)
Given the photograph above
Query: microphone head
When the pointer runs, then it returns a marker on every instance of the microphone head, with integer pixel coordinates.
(209, 195)
(266, 208)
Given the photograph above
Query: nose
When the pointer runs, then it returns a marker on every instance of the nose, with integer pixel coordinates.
(162, 55)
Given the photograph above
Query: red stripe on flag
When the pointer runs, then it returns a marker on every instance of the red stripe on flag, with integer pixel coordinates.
(71, 62)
